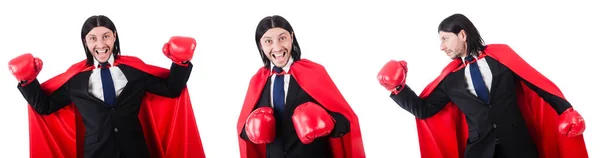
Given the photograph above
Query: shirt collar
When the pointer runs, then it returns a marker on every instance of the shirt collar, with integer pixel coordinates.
(464, 61)
(287, 66)
(111, 60)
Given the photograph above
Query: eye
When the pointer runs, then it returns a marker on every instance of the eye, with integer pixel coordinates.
(268, 41)
(106, 36)
(282, 38)
(92, 38)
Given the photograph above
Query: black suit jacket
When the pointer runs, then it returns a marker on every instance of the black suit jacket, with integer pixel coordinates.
(287, 144)
(110, 131)
(499, 122)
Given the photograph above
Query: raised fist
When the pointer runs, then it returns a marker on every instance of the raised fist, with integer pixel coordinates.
(392, 75)
(25, 68)
(180, 49)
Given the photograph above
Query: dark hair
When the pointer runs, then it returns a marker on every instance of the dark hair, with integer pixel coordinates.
(457, 22)
(270, 22)
(91, 23)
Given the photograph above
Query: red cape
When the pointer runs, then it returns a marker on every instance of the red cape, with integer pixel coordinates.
(445, 134)
(313, 78)
(169, 124)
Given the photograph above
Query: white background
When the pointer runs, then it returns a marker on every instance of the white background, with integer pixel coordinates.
(352, 40)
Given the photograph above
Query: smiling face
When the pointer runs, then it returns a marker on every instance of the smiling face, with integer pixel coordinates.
(100, 42)
(276, 44)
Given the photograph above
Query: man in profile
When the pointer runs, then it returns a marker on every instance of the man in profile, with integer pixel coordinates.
(488, 102)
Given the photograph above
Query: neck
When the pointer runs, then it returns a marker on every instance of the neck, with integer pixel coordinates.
(110, 60)
(287, 66)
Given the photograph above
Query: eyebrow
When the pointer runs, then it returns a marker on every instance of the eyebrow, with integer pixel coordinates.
(107, 32)
(283, 33)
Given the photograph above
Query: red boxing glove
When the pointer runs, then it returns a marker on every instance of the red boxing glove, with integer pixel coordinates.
(25, 68)
(392, 75)
(180, 49)
(312, 121)
(260, 126)
(570, 123)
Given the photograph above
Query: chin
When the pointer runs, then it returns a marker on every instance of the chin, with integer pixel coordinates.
(100, 59)
(278, 64)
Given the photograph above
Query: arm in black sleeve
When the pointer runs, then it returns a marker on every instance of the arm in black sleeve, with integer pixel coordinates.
(422, 108)
(558, 104)
(342, 125)
(171, 86)
(243, 134)
(43, 103)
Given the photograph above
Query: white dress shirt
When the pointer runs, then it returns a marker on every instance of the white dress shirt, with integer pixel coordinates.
(486, 73)
(286, 80)
(95, 85)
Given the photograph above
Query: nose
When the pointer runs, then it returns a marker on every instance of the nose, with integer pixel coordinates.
(100, 42)
(277, 46)
(442, 47)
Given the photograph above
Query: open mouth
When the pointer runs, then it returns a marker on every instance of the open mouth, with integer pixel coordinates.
(278, 56)
(101, 51)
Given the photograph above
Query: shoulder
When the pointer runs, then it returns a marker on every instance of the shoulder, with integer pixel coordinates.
(497, 45)
(76, 69)
(308, 65)
(129, 59)
(498, 48)
(132, 65)
(452, 76)
(131, 62)
(308, 62)
(127, 69)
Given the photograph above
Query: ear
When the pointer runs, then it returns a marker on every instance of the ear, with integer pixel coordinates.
(462, 35)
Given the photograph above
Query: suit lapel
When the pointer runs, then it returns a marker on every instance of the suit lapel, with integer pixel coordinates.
(84, 85)
(460, 79)
(292, 91)
(495, 68)
(266, 95)
(127, 88)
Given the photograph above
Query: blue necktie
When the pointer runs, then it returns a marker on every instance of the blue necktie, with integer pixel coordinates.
(108, 87)
(478, 83)
(278, 92)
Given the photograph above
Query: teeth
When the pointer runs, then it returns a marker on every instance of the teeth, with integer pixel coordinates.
(275, 55)
(101, 50)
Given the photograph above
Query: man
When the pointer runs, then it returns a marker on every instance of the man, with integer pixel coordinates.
(111, 105)
(488, 102)
(292, 107)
